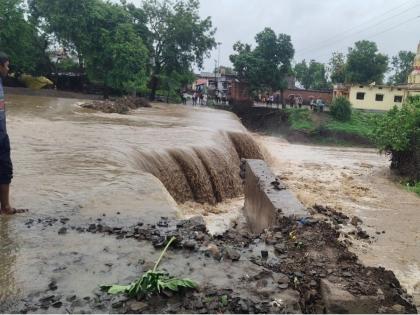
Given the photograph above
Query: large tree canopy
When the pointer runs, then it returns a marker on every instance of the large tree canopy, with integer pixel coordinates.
(312, 76)
(365, 64)
(267, 65)
(337, 68)
(19, 39)
(402, 65)
(179, 37)
(109, 47)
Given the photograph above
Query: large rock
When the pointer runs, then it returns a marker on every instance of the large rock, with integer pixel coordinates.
(286, 302)
(338, 300)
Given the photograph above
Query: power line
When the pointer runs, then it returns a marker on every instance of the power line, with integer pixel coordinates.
(376, 34)
(342, 35)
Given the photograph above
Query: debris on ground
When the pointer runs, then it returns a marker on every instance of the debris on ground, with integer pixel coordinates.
(121, 105)
(293, 267)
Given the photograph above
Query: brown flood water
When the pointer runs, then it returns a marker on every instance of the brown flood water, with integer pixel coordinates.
(71, 162)
(75, 163)
(358, 182)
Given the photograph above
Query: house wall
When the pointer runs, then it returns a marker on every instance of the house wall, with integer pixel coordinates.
(370, 103)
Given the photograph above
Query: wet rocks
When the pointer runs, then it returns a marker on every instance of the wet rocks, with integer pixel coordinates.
(287, 302)
(64, 220)
(52, 285)
(264, 254)
(92, 228)
(62, 230)
(339, 300)
(214, 251)
(356, 221)
(232, 254)
(362, 234)
(136, 307)
(280, 248)
(190, 244)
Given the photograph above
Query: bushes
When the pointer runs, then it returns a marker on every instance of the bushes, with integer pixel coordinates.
(398, 134)
(341, 108)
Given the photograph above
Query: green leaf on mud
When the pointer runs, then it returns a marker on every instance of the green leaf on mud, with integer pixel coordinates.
(116, 289)
(224, 300)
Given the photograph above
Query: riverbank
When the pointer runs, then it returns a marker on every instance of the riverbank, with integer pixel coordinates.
(357, 182)
(305, 126)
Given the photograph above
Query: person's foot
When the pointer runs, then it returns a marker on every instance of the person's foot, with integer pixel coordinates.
(11, 211)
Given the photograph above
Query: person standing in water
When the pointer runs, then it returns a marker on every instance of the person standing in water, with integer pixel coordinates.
(6, 167)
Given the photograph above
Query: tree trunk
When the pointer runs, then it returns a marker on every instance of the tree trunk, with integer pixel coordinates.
(282, 98)
(153, 88)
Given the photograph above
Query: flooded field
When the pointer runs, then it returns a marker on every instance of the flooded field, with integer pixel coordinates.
(357, 181)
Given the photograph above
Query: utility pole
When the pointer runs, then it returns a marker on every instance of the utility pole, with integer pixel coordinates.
(218, 65)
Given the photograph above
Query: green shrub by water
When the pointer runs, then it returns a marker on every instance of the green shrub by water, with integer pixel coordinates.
(340, 108)
(415, 187)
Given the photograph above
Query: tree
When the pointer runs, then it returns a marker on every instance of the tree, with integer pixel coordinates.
(365, 64)
(266, 66)
(20, 40)
(398, 134)
(302, 74)
(402, 65)
(337, 68)
(103, 36)
(179, 38)
(312, 76)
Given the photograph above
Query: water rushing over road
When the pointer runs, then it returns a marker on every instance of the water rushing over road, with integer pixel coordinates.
(72, 162)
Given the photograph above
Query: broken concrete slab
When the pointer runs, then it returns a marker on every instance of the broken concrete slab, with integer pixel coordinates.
(263, 198)
(339, 300)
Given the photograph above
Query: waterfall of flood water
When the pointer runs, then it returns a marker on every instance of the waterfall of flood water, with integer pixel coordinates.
(202, 174)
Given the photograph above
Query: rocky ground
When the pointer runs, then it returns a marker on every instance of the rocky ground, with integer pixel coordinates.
(121, 105)
(294, 267)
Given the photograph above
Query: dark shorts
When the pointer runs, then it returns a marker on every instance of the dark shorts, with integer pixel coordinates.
(6, 166)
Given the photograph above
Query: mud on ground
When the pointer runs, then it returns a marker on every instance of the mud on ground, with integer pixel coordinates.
(292, 268)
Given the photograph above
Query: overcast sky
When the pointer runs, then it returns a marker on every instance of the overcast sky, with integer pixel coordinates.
(317, 27)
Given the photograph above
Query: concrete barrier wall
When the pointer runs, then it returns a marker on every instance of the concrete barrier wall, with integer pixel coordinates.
(265, 197)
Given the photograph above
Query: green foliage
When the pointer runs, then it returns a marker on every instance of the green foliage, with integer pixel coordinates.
(361, 123)
(312, 76)
(300, 119)
(402, 65)
(152, 282)
(413, 187)
(364, 64)
(399, 129)
(340, 108)
(337, 68)
(101, 35)
(19, 38)
(266, 66)
(179, 37)
(67, 65)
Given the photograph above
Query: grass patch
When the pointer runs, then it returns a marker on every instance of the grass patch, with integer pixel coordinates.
(300, 119)
(413, 187)
(361, 123)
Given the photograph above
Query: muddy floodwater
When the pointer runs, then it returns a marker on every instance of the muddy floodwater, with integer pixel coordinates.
(76, 166)
(74, 163)
(357, 181)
